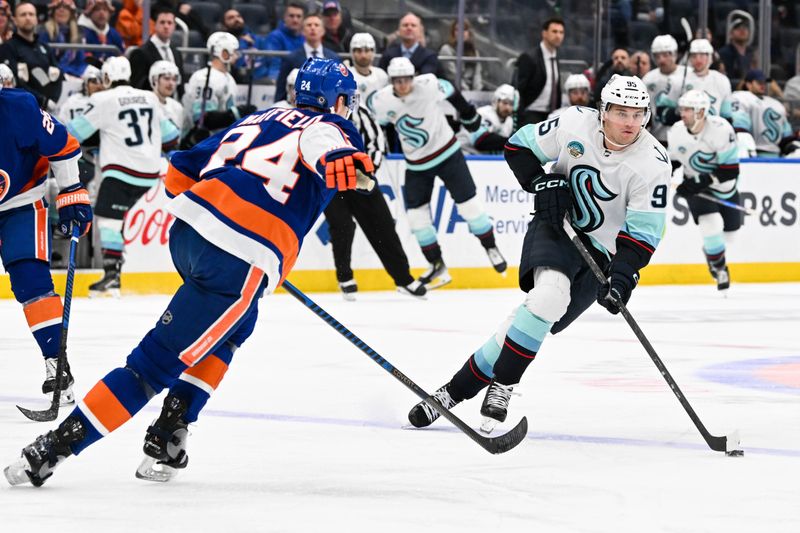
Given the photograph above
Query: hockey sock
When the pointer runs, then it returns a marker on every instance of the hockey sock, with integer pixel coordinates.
(481, 227)
(469, 380)
(111, 402)
(522, 342)
(44, 318)
(432, 252)
(426, 237)
(112, 259)
(197, 383)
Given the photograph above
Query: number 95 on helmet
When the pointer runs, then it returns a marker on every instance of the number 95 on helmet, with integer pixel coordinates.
(321, 81)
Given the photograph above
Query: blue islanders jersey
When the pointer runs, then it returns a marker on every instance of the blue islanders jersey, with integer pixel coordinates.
(257, 188)
(31, 140)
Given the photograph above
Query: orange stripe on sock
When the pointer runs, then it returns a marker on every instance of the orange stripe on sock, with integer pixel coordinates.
(105, 407)
(210, 370)
(43, 310)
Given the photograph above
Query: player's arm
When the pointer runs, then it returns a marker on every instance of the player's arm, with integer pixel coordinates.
(185, 166)
(667, 110)
(170, 135)
(789, 141)
(487, 141)
(467, 113)
(331, 151)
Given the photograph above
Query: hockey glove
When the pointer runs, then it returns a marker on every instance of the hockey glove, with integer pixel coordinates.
(244, 110)
(471, 120)
(342, 172)
(691, 186)
(552, 198)
(73, 207)
(622, 278)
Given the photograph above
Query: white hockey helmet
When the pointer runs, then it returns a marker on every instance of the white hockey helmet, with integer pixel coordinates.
(576, 81)
(7, 77)
(506, 92)
(362, 40)
(628, 91)
(400, 67)
(701, 46)
(220, 42)
(291, 78)
(91, 73)
(162, 68)
(116, 68)
(695, 99)
(664, 43)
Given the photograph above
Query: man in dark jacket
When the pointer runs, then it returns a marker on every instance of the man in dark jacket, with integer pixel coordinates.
(157, 48)
(338, 30)
(538, 77)
(313, 31)
(425, 60)
(33, 63)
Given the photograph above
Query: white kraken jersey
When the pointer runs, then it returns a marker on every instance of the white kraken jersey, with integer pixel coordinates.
(377, 80)
(74, 106)
(714, 147)
(221, 93)
(613, 191)
(132, 130)
(425, 136)
(660, 85)
(716, 85)
(763, 117)
(490, 123)
(173, 111)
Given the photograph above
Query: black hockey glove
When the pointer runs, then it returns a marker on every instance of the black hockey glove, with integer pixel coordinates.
(471, 120)
(245, 110)
(622, 278)
(552, 198)
(691, 186)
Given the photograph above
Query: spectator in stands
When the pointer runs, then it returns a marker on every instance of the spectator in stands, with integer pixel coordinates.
(97, 30)
(471, 74)
(639, 63)
(618, 64)
(61, 26)
(287, 36)
(6, 28)
(410, 32)
(538, 76)
(737, 56)
(313, 31)
(158, 47)
(129, 22)
(233, 23)
(33, 63)
(338, 31)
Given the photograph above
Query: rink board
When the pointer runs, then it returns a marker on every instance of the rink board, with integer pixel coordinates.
(764, 250)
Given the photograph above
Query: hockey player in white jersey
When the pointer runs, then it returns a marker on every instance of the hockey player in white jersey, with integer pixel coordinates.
(762, 117)
(577, 87)
(431, 149)
(291, 94)
(368, 77)
(614, 177)
(76, 103)
(662, 80)
(165, 78)
(7, 79)
(705, 146)
(700, 76)
(133, 133)
(498, 122)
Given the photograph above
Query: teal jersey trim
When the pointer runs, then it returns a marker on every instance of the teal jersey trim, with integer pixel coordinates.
(446, 87)
(169, 132)
(726, 109)
(729, 157)
(526, 137)
(197, 107)
(645, 226)
(131, 180)
(741, 121)
(80, 128)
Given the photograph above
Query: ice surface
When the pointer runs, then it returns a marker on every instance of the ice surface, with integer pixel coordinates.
(305, 433)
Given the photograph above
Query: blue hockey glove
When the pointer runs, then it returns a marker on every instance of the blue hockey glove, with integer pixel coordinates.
(622, 279)
(73, 207)
(552, 198)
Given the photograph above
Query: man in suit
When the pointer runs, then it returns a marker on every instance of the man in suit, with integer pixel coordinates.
(157, 48)
(409, 32)
(538, 77)
(313, 31)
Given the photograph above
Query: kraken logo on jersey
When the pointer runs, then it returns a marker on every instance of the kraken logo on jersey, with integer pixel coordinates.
(772, 122)
(702, 162)
(587, 189)
(407, 126)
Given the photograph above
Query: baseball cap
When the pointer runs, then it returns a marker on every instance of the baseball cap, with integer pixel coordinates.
(331, 6)
(739, 20)
(755, 75)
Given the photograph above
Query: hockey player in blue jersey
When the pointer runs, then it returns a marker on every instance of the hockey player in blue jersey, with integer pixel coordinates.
(243, 201)
(33, 142)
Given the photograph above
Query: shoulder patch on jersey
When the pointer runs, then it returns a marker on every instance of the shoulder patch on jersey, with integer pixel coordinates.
(575, 149)
(661, 155)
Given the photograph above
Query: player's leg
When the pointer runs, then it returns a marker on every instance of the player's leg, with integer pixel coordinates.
(25, 250)
(458, 180)
(713, 220)
(373, 215)
(417, 195)
(342, 230)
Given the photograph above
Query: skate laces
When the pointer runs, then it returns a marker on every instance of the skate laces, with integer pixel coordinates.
(499, 395)
(443, 397)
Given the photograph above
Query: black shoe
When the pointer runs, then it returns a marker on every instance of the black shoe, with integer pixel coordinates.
(165, 443)
(41, 457)
(495, 405)
(435, 276)
(497, 259)
(49, 385)
(423, 415)
(415, 288)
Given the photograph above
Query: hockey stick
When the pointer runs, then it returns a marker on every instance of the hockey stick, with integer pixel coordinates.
(204, 100)
(494, 445)
(720, 201)
(728, 444)
(51, 413)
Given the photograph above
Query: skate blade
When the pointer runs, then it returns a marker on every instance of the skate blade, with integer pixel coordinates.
(16, 473)
(349, 296)
(488, 425)
(415, 296)
(150, 470)
(110, 293)
(441, 281)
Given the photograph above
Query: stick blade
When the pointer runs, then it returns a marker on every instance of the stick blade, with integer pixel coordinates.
(508, 441)
(48, 415)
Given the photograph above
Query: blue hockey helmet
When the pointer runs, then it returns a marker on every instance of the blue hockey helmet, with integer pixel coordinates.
(321, 81)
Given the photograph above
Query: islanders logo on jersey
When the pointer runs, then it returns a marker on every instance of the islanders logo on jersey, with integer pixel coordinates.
(575, 149)
(587, 191)
(5, 184)
(409, 129)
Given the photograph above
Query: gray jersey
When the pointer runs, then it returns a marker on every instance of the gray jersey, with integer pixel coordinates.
(764, 118)
(221, 94)
(660, 85)
(613, 192)
(425, 136)
(704, 153)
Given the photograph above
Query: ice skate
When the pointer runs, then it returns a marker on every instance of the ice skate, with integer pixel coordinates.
(109, 285)
(495, 405)
(40, 458)
(49, 385)
(436, 276)
(497, 259)
(423, 415)
(165, 443)
(349, 289)
(723, 278)
(415, 288)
